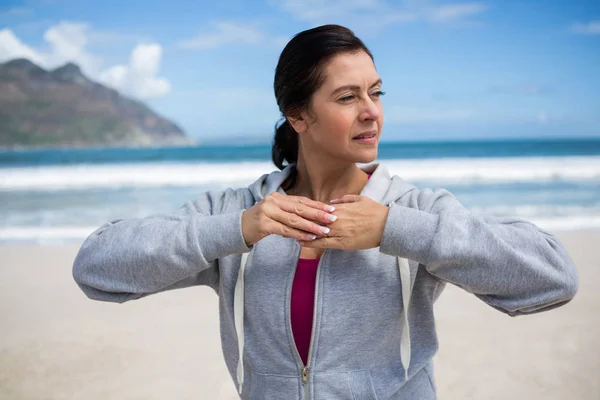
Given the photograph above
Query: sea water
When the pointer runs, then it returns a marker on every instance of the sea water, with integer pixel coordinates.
(62, 195)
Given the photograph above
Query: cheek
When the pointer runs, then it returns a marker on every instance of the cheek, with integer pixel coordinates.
(340, 120)
(334, 123)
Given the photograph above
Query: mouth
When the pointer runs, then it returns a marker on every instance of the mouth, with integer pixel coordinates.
(366, 137)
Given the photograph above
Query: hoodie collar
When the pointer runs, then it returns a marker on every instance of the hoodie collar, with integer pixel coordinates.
(381, 187)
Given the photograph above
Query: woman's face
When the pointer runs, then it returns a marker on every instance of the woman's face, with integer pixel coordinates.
(346, 105)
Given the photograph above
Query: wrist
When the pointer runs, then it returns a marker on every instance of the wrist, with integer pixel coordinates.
(383, 216)
(246, 232)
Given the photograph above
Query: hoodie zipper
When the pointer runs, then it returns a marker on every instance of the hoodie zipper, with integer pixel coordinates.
(305, 368)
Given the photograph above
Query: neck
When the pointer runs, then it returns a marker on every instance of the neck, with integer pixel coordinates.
(324, 181)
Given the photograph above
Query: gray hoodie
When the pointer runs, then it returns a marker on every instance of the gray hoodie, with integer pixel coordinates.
(373, 334)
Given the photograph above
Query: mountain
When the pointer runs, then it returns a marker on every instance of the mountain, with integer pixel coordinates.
(63, 108)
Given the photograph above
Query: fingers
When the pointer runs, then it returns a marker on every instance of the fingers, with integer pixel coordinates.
(297, 218)
(306, 208)
(349, 198)
(308, 213)
(293, 220)
(306, 201)
(289, 232)
(320, 243)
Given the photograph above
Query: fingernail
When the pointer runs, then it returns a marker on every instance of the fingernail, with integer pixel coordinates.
(331, 217)
(330, 208)
(333, 201)
(324, 229)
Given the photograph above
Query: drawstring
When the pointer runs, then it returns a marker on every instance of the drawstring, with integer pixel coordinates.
(238, 312)
(405, 340)
(405, 345)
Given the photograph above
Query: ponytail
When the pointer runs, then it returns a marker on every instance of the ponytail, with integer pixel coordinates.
(285, 148)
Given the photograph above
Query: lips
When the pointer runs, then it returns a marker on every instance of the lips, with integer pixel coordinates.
(365, 135)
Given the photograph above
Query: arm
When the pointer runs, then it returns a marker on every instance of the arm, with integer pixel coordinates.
(509, 263)
(127, 259)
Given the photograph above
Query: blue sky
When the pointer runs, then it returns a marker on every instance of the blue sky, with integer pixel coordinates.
(451, 69)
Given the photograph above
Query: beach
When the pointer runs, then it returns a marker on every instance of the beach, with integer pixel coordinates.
(55, 343)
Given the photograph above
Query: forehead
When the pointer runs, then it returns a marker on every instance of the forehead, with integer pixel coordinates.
(350, 68)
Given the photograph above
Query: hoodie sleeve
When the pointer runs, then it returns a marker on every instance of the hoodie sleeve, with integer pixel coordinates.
(509, 263)
(127, 259)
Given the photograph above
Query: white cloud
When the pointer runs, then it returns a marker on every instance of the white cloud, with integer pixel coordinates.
(453, 12)
(311, 10)
(11, 47)
(15, 11)
(589, 28)
(360, 12)
(138, 78)
(65, 42)
(225, 33)
(68, 42)
(523, 88)
(281, 41)
(409, 115)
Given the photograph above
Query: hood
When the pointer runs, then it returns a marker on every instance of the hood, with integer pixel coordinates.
(381, 187)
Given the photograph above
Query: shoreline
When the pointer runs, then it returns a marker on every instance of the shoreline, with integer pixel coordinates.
(45, 236)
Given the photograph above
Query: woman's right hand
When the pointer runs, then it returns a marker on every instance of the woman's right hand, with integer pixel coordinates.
(294, 217)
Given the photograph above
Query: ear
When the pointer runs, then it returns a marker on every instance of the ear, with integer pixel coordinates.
(299, 124)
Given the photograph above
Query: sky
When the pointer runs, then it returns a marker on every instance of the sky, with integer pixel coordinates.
(450, 69)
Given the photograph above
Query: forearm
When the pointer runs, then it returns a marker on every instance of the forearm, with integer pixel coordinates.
(137, 256)
(510, 263)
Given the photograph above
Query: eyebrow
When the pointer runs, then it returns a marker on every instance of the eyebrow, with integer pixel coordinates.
(354, 87)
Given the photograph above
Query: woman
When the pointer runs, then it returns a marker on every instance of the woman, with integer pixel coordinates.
(327, 272)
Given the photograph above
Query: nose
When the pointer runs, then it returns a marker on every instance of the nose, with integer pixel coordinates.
(370, 110)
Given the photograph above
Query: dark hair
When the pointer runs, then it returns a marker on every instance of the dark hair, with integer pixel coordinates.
(298, 75)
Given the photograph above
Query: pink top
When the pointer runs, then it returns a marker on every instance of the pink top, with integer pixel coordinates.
(302, 304)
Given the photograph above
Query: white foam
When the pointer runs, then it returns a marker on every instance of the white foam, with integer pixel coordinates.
(131, 175)
(235, 174)
(569, 223)
(538, 210)
(46, 234)
(497, 170)
(76, 234)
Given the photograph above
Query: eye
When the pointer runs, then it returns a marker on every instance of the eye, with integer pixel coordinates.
(379, 93)
(346, 99)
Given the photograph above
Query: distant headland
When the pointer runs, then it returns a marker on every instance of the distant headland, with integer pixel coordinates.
(63, 108)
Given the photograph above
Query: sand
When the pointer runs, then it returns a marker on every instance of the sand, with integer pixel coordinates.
(57, 344)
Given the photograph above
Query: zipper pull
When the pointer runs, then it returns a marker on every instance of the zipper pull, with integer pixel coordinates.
(304, 375)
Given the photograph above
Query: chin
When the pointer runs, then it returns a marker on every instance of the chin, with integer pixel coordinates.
(367, 157)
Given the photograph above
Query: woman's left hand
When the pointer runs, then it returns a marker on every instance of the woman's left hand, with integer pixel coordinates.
(359, 224)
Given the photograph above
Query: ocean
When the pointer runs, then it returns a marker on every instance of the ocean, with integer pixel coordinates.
(59, 196)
